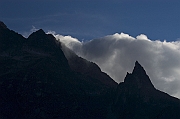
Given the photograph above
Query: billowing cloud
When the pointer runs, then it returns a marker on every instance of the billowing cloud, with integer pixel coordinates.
(116, 54)
(69, 41)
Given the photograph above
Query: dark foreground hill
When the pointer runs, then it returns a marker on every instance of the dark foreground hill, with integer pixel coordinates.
(38, 80)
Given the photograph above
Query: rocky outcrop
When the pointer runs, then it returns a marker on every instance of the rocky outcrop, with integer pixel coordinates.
(137, 98)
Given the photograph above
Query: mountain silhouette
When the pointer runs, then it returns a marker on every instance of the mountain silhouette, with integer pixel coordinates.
(40, 78)
(138, 79)
(36, 81)
(137, 98)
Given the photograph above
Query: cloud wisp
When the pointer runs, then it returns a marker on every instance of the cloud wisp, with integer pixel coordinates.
(116, 54)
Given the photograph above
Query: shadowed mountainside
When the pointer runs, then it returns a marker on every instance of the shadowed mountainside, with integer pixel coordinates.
(137, 98)
(36, 81)
(40, 78)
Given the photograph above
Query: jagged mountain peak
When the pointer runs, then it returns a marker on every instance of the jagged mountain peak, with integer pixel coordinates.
(138, 99)
(38, 33)
(138, 78)
(138, 69)
(42, 41)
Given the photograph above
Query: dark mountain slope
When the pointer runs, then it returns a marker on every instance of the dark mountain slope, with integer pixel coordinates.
(138, 99)
(37, 82)
(42, 79)
(87, 68)
(10, 45)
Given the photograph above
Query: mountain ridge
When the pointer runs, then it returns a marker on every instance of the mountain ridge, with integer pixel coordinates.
(41, 78)
(36, 81)
(137, 98)
(139, 77)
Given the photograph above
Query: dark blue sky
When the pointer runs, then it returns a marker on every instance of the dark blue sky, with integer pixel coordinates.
(88, 19)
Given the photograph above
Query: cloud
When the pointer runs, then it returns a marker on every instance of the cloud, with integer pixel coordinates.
(69, 41)
(33, 29)
(116, 54)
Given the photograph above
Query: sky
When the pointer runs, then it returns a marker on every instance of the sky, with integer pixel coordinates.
(112, 33)
(89, 19)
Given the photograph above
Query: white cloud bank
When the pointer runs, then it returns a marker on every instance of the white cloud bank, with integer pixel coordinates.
(116, 55)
